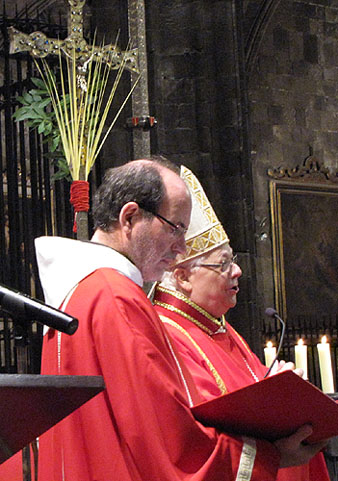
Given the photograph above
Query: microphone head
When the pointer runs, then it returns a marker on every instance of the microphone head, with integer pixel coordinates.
(271, 312)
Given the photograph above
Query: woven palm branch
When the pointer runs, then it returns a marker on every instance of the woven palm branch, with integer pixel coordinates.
(81, 121)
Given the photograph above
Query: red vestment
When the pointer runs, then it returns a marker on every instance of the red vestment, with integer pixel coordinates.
(141, 426)
(12, 469)
(220, 362)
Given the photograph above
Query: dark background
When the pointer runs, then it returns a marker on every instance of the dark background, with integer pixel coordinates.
(237, 87)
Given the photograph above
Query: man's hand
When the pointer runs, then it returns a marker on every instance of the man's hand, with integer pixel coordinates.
(292, 450)
(288, 366)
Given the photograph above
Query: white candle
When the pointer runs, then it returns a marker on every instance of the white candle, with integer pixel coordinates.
(301, 357)
(325, 366)
(269, 353)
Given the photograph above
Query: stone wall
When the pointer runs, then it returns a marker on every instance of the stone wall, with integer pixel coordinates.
(293, 106)
(197, 92)
(236, 88)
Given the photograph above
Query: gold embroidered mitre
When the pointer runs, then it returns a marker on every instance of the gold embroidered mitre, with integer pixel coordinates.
(205, 231)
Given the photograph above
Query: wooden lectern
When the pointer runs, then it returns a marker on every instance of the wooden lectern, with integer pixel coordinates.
(31, 404)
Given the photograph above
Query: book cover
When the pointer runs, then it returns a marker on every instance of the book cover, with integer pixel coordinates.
(272, 408)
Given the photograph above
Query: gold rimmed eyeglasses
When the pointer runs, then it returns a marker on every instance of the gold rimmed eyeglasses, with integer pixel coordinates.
(224, 265)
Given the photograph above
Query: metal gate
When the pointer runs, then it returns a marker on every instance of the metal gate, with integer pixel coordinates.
(28, 197)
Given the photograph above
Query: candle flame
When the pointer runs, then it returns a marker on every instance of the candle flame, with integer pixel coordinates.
(323, 340)
(300, 342)
(269, 344)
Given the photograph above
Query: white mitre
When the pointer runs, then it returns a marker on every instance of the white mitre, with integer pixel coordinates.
(205, 231)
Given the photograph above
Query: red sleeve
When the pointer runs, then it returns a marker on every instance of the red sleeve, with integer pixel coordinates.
(143, 419)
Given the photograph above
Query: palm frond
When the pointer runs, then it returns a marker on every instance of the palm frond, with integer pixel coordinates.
(81, 121)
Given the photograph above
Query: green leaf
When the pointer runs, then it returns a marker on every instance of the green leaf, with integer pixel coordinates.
(39, 92)
(34, 123)
(55, 143)
(48, 128)
(54, 156)
(39, 83)
(22, 100)
(45, 102)
(20, 112)
(27, 115)
(63, 170)
(41, 128)
(36, 98)
(65, 100)
(37, 109)
(27, 97)
(44, 115)
(60, 175)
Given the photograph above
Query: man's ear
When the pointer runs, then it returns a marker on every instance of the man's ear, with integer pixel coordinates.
(127, 213)
(182, 277)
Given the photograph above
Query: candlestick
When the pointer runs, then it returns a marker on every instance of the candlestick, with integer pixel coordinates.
(325, 365)
(269, 353)
(301, 357)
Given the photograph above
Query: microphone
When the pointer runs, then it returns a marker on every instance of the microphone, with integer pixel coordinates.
(269, 311)
(24, 308)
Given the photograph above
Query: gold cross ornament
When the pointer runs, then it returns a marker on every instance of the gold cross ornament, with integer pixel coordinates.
(39, 45)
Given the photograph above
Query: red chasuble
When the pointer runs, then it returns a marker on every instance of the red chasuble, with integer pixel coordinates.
(141, 427)
(219, 361)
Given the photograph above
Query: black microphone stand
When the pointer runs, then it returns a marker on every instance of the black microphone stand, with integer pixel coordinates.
(17, 306)
(273, 313)
(21, 344)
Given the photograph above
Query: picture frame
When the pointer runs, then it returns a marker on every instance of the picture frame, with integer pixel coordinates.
(304, 222)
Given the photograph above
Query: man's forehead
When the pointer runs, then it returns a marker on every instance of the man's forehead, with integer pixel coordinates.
(176, 193)
(222, 252)
(174, 184)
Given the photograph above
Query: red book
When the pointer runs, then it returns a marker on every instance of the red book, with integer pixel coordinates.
(271, 409)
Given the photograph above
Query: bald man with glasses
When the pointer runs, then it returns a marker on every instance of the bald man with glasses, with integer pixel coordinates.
(192, 301)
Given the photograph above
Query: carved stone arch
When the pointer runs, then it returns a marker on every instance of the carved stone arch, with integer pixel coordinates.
(256, 34)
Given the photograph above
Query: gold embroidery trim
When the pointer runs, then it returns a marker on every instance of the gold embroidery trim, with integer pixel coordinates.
(214, 234)
(169, 307)
(183, 298)
(247, 459)
(217, 377)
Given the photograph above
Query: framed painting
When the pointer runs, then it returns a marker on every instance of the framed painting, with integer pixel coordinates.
(304, 218)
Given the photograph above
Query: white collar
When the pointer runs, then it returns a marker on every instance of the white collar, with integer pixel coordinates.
(64, 262)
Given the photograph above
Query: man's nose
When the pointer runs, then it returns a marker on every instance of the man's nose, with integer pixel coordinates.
(236, 270)
(179, 246)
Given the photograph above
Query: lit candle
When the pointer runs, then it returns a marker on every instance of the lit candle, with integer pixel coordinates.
(301, 357)
(269, 353)
(325, 365)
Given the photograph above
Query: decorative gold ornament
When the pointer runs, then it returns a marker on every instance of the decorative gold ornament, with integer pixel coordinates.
(312, 169)
(39, 45)
(205, 231)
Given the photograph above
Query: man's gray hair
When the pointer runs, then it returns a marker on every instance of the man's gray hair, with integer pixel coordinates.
(168, 279)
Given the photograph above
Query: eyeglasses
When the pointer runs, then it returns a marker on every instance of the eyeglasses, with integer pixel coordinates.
(177, 230)
(224, 265)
